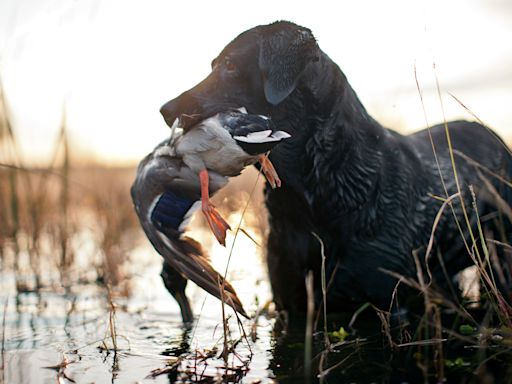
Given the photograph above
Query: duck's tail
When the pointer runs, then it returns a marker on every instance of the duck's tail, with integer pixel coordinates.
(187, 257)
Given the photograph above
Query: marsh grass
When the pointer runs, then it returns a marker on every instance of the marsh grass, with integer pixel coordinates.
(482, 251)
(47, 209)
(432, 333)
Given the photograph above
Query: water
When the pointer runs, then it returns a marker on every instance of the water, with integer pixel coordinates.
(39, 337)
(57, 335)
(47, 327)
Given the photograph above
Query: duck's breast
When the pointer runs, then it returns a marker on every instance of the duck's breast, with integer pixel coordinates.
(215, 146)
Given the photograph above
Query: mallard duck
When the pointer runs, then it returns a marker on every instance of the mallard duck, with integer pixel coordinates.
(165, 194)
(179, 176)
(226, 143)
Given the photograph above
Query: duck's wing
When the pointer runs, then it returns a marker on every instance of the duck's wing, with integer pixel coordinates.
(164, 197)
(256, 134)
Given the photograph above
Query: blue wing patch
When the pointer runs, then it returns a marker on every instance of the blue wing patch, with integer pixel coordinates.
(170, 210)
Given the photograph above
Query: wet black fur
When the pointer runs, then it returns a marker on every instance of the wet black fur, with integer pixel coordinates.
(365, 190)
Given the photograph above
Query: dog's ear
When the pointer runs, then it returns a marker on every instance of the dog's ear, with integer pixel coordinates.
(283, 58)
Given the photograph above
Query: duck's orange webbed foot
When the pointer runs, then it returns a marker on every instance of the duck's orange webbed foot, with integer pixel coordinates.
(270, 172)
(217, 224)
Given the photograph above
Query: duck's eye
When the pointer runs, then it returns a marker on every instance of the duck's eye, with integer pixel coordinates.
(230, 66)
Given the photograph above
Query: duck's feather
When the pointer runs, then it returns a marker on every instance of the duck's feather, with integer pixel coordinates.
(170, 210)
(255, 136)
(260, 137)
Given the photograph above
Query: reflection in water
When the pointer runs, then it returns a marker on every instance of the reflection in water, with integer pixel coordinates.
(46, 329)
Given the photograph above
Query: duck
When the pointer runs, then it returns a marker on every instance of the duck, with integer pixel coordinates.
(226, 143)
(179, 176)
(165, 194)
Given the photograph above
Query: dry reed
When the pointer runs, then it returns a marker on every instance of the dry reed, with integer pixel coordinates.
(2, 350)
(308, 338)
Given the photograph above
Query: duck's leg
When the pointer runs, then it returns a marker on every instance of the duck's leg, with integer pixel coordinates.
(269, 171)
(217, 224)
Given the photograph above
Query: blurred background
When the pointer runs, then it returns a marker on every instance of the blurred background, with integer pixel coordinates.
(112, 64)
(81, 84)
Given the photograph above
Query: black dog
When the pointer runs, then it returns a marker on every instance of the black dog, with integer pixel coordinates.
(367, 192)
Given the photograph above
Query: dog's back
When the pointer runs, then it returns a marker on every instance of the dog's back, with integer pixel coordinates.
(469, 158)
(469, 140)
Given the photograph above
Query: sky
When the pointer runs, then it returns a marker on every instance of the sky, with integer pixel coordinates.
(112, 63)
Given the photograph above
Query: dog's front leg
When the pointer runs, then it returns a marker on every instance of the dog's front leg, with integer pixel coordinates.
(292, 250)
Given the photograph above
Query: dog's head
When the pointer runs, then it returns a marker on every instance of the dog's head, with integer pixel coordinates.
(258, 70)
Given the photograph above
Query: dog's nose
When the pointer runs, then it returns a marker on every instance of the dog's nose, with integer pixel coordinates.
(170, 111)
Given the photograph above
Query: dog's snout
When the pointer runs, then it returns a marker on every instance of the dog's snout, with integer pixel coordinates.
(185, 108)
(170, 111)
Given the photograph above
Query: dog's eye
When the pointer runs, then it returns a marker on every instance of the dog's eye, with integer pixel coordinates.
(230, 66)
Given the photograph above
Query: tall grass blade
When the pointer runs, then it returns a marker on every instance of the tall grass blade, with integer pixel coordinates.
(324, 288)
(308, 338)
(65, 261)
(2, 352)
(112, 318)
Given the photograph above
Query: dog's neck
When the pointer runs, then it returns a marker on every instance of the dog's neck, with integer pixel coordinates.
(342, 147)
